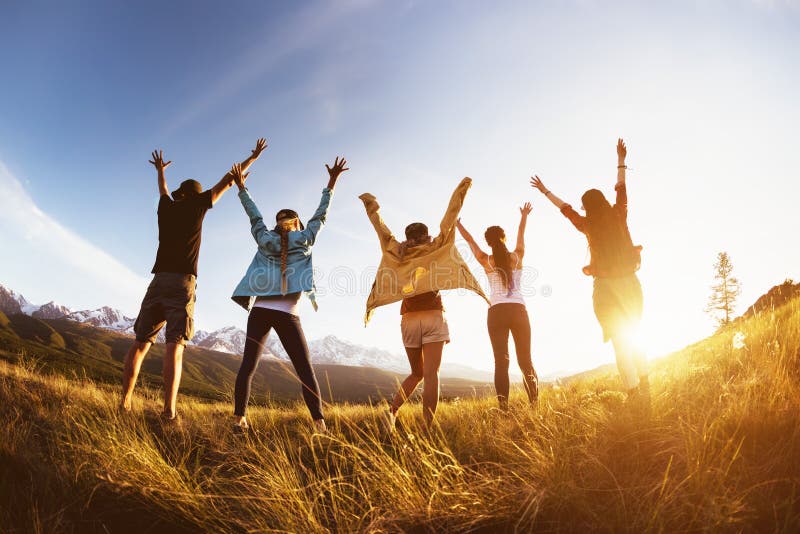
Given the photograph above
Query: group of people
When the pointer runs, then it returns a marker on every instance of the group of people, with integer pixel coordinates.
(413, 271)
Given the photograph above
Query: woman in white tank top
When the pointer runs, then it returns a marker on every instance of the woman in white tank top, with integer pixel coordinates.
(507, 313)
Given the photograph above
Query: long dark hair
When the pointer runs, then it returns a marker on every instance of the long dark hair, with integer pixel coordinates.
(496, 238)
(609, 239)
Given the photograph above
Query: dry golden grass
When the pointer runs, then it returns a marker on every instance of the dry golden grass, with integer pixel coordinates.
(720, 451)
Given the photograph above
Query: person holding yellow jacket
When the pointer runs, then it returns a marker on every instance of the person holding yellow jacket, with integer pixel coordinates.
(414, 271)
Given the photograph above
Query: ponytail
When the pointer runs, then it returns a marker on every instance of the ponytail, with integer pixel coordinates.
(495, 238)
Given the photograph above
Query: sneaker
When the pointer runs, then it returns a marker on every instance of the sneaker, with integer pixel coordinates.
(388, 421)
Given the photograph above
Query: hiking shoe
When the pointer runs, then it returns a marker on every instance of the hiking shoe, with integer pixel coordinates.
(388, 421)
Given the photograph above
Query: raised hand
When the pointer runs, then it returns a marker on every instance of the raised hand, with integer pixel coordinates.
(238, 177)
(537, 183)
(622, 151)
(526, 209)
(334, 172)
(158, 160)
(261, 145)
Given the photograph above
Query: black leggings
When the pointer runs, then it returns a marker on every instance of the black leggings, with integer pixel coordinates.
(502, 319)
(290, 332)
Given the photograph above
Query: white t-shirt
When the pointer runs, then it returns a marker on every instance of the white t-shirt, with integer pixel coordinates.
(284, 303)
(500, 294)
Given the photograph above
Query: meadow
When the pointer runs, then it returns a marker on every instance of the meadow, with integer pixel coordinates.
(719, 450)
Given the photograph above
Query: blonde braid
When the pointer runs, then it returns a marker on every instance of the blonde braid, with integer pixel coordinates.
(284, 231)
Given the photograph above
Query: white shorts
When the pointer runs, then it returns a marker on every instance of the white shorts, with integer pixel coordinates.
(422, 327)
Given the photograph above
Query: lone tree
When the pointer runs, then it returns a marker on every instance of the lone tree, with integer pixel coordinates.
(724, 291)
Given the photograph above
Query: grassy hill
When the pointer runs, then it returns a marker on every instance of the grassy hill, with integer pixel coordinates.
(718, 452)
(76, 350)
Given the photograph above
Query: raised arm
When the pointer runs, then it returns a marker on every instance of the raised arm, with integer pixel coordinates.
(227, 181)
(480, 255)
(621, 205)
(385, 235)
(448, 223)
(524, 211)
(537, 183)
(257, 227)
(574, 217)
(334, 172)
(160, 165)
(622, 152)
(320, 216)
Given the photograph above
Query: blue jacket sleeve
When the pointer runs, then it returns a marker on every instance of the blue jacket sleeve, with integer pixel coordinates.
(318, 219)
(257, 227)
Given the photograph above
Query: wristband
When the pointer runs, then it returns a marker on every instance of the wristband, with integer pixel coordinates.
(622, 166)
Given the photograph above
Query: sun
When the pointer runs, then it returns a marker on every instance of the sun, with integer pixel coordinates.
(655, 337)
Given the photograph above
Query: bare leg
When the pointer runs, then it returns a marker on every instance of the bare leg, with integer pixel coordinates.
(432, 360)
(625, 361)
(521, 331)
(133, 362)
(410, 383)
(173, 363)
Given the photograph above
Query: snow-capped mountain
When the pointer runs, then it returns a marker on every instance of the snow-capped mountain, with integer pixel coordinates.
(51, 310)
(11, 302)
(104, 317)
(328, 350)
(332, 350)
(229, 339)
(199, 336)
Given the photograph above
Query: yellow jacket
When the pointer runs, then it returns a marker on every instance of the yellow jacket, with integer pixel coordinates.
(428, 267)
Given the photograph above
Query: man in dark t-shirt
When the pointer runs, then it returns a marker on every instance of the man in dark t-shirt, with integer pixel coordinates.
(170, 297)
(179, 227)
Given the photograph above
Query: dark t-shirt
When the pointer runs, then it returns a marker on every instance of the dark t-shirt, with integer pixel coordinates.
(179, 227)
(431, 300)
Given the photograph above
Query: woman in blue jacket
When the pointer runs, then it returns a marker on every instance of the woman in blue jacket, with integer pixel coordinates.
(279, 274)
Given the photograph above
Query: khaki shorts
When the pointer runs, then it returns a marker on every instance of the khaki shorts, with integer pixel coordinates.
(169, 299)
(421, 327)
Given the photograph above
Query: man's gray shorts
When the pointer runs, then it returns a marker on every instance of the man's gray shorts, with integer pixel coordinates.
(169, 299)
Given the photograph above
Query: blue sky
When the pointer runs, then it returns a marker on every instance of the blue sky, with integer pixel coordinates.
(416, 95)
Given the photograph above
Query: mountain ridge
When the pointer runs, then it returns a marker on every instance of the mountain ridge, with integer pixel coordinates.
(329, 349)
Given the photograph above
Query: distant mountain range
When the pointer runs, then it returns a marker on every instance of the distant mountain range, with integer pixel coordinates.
(230, 339)
(77, 349)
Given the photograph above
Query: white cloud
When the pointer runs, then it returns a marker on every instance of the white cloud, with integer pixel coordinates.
(43, 260)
